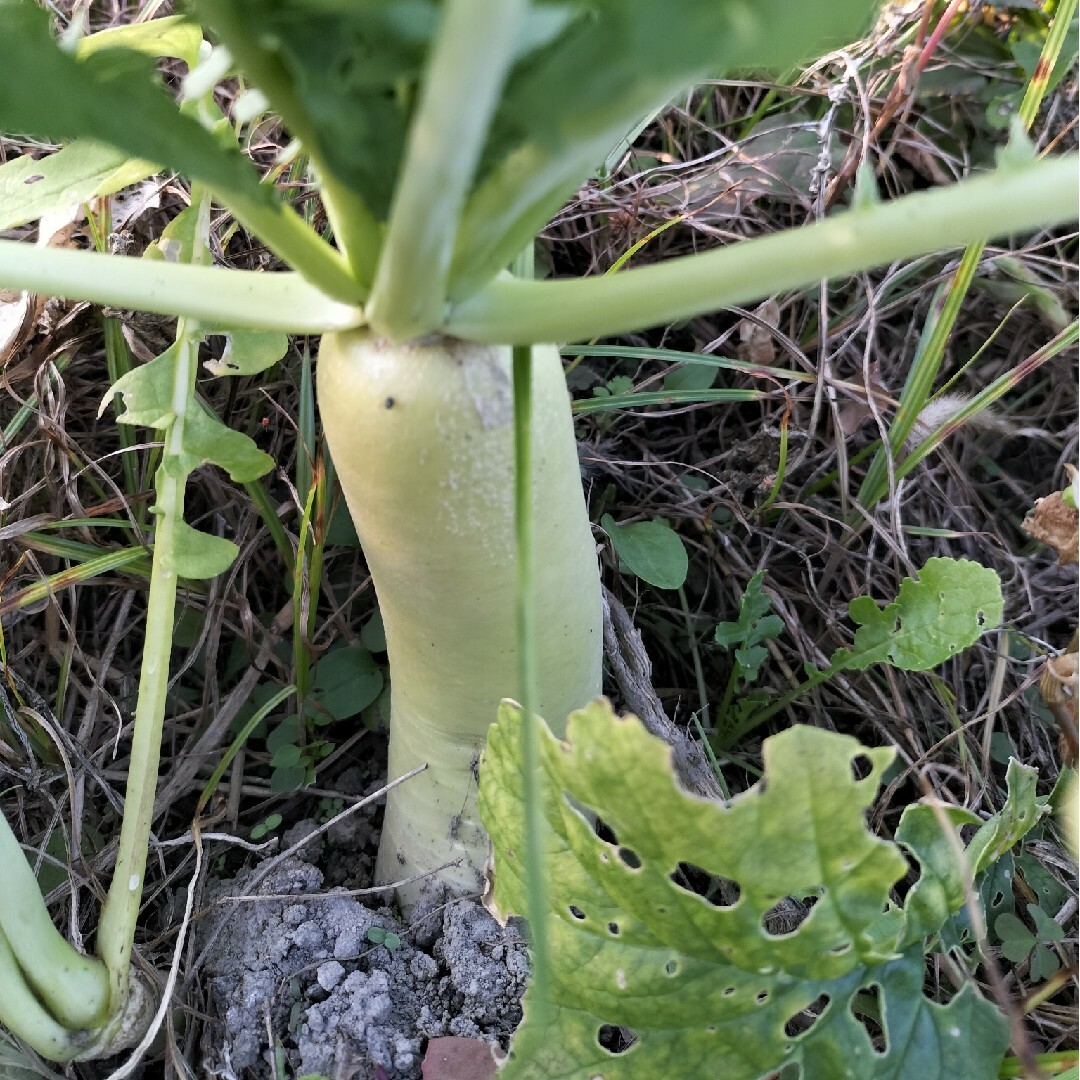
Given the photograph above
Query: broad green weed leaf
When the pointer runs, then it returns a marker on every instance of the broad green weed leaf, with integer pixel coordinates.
(691, 377)
(112, 95)
(177, 240)
(946, 610)
(147, 396)
(706, 989)
(247, 352)
(198, 555)
(74, 174)
(346, 681)
(650, 549)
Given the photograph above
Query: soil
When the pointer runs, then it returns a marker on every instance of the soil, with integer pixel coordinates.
(297, 964)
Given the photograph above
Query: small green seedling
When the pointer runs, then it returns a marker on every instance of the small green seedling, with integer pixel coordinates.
(268, 825)
(746, 636)
(1019, 943)
(949, 607)
(378, 936)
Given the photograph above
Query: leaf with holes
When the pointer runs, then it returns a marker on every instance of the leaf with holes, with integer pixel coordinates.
(940, 892)
(946, 610)
(667, 950)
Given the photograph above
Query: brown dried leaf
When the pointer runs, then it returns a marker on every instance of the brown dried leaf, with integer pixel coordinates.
(453, 1057)
(756, 344)
(1056, 523)
(853, 411)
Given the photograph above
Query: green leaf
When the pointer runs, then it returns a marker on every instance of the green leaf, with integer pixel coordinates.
(1021, 813)
(373, 634)
(197, 555)
(939, 892)
(112, 95)
(650, 549)
(705, 988)
(288, 778)
(754, 625)
(76, 173)
(207, 439)
(1046, 929)
(288, 732)
(346, 681)
(147, 396)
(951, 605)
(1017, 940)
(146, 392)
(286, 756)
(691, 377)
(565, 105)
(342, 74)
(247, 352)
(173, 35)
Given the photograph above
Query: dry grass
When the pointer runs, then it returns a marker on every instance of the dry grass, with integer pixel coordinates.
(734, 160)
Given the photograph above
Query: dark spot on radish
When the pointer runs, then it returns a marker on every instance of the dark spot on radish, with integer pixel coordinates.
(389, 403)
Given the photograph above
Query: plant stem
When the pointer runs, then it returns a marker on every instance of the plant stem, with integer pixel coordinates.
(235, 299)
(510, 309)
(525, 608)
(729, 736)
(471, 55)
(287, 235)
(355, 228)
(119, 914)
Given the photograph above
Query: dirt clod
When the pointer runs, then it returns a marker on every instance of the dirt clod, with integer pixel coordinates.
(301, 965)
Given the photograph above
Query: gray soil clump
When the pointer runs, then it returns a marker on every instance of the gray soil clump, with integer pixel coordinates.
(304, 968)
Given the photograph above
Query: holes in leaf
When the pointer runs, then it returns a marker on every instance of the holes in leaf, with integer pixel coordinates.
(865, 1007)
(840, 949)
(861, 766)
(576, 912)
(980, 617)
(613, 929)
(605, 833)
(787, 915)
(630, 857)
(615, 1040)
(718, 891)
(671, 968)
(802, 1022)
(761, 997)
